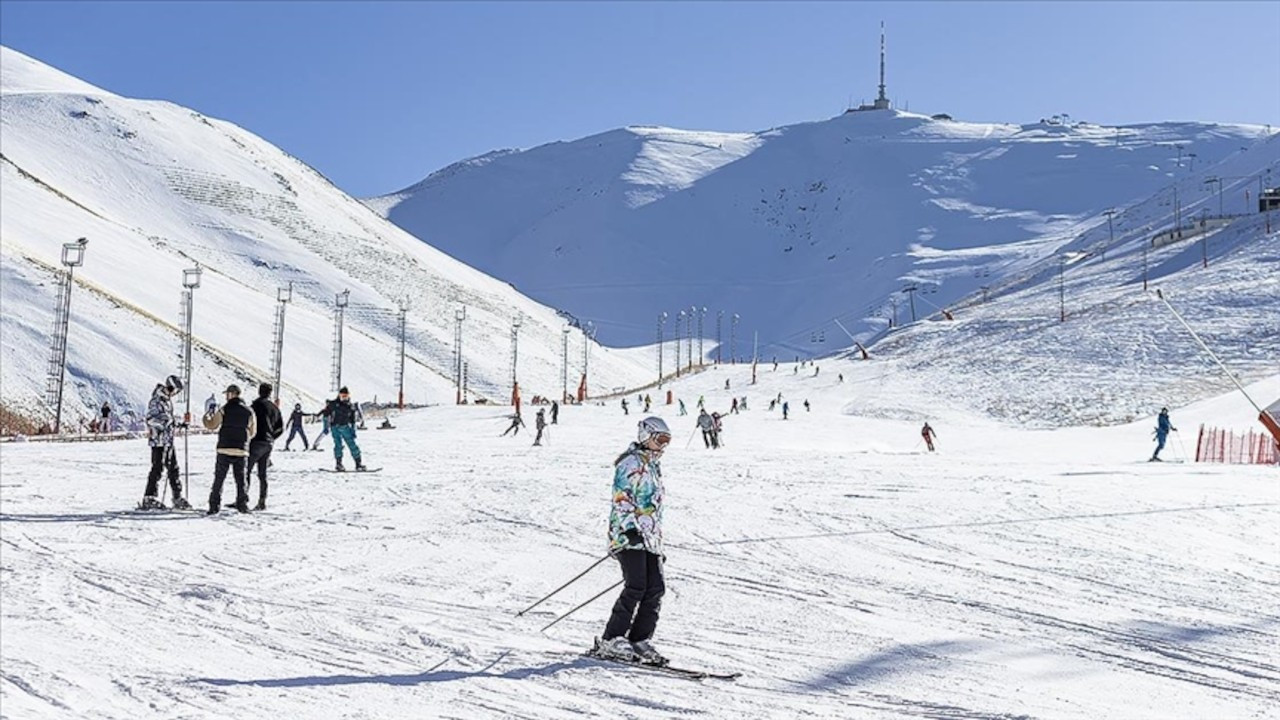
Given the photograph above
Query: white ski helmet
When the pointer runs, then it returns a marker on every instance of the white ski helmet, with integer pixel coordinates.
(651, 426)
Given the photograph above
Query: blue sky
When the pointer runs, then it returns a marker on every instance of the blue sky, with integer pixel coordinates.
(378, 95)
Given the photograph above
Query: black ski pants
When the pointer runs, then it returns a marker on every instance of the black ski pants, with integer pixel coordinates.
(236, 464)
(706, 438)
(259, 457)
(297, 430)
(163, 459)
(635, 614)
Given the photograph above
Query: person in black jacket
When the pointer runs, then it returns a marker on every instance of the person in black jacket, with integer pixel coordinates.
(270, 427)
(235, 424)
(342, 419)
(295, 427)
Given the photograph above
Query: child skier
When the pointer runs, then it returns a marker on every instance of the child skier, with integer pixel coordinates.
(635, 539)
(295, 428)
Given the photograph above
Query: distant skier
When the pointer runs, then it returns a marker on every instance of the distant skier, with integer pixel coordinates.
(816, 370)
(295, 427)
(742, 406)
(342, 420)
(841, 376)
(517, 422)
(716, 441)
(1163, 426)
(682, 410)
(635, 539)
(646, 402)
(806, 404)
(164, 459)
(772, 404)
(555, 412)
(707, 427)
(104, 425)
(726, 383)
(267, 417)
(786, 408)
(701, 403)
(235, 424)
(625, 409)
(540, 424)
(733, 408)
(928, 434)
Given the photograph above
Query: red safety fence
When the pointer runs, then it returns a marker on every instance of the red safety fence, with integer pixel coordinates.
(1237, 448)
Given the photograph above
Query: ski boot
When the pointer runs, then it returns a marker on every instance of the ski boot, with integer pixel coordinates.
(242, 506)
(180, 503)
(360, 467)
(262, 505)
(647, 655)
(618, 648)
(151, 502)
(338, 467)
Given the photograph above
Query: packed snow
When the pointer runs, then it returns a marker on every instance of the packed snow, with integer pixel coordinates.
(841, 568)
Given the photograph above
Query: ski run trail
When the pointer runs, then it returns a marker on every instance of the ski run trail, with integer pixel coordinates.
(846, 572)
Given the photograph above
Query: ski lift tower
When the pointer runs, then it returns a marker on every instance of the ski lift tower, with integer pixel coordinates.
(72, 258)
(662, 321)
(340, 302)
(404, 331)
(190, 281)
(283, 296)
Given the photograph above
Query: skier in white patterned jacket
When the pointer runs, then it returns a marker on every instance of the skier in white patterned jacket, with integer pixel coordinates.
(160, 427)
(635, 539)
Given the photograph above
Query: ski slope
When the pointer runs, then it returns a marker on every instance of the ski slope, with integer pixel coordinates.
(1015, 573)
(157, 188)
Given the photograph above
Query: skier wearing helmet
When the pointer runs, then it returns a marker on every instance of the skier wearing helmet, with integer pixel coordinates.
(635, 539)
(164, 459)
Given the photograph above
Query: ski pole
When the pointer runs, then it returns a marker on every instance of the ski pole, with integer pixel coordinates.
(686, 442)
(574, 580)
(588, 602)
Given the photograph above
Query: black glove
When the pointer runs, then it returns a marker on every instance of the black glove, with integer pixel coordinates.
(634, 537)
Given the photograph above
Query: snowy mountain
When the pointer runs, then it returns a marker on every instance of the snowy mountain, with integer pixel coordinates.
(799, 227)
(157, 188)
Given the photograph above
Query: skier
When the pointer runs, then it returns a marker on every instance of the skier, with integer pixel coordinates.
(516, 423)
(726, 383)
(555, 412)
(841, 377)
(635, 539)
(715, 430)
(733, 408)
(705, 425)
(806, 404)
(540, 422)
(786, 408)
(701, 405)
(682, 410)
(267, 417)
(625, 411)
(742, 406)
(816, 369)
(646, 402)
(235, 424)
(324, 424)
(295, 427)
(105, 424)
(160, 427)
(772, 404)
(928, 434)
(1163, 426)
(342, 420)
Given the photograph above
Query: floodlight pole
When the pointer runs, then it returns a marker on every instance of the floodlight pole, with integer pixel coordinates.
(404, 332)
(190, 281)
(733, 339)
(564, 364)
(719, 322)
(340, 302)
(72, 257)
(688, 331)
(283, 296)
(662, 321)
(458, 316)
(515, 357)
(588, 334)
(679, 340)
(702, 313)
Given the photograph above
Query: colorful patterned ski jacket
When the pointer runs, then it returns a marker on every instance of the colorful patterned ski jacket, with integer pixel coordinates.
(637, 501)
(160, 419)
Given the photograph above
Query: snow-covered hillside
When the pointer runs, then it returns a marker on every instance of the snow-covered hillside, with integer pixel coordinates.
(797, 227)
(843, 570)
(156, 188)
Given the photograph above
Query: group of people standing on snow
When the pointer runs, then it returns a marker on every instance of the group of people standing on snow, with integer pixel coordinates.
(246, 438)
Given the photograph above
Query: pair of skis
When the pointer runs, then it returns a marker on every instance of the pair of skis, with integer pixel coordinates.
(687, 673)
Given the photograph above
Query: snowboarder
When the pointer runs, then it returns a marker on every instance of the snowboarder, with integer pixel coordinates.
(786, 408)
(635, 539)
(325, 424)
(928, 434)
(707, 427)
(625, 410)
(342, 421)
(806, 404)
(682, 410)
(555, 413)
(295, 427)
(540, 423)
(267, 417)
(516, 423)
(235, 424)
(105, 424)
(164, 459)
(1163, 426)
